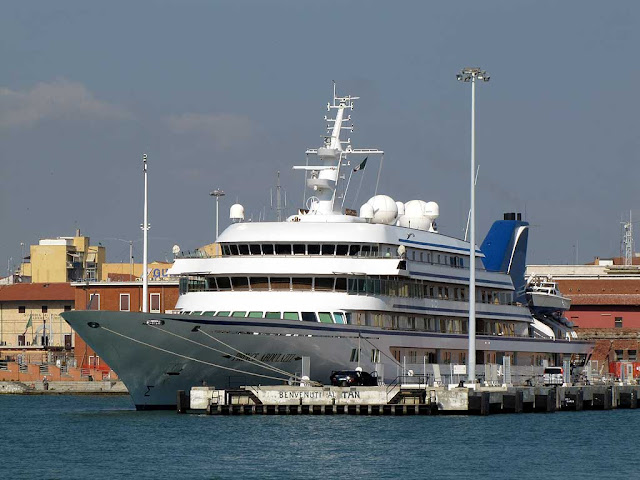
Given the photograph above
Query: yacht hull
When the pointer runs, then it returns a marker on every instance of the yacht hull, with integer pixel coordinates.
(157, 355)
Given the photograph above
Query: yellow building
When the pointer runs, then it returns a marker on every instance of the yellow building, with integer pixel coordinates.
(65, 259)
(30, 316)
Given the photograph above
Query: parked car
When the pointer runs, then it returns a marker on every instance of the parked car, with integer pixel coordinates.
(553, 376)
(348, 378)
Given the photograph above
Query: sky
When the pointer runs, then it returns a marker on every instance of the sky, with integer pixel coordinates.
(224, 94)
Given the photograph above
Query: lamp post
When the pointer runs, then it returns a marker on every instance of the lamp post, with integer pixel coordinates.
(471, 75)
(145, 242)
(217, 193)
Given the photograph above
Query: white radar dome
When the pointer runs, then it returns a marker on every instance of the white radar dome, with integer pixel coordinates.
(385, 210)
(236, 212)
(432, 209)
(415, 216)
(366, 211)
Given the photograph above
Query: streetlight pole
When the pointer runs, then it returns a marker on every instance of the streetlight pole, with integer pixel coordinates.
(145, 230)
(471, 75)
(217, 193)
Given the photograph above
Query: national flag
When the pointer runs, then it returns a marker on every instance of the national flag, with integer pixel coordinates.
(362, 165)
(29, 323)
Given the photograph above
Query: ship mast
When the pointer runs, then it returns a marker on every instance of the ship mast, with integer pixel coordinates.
(324, 177)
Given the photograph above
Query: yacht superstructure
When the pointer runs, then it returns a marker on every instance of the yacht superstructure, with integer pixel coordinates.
(381, 289)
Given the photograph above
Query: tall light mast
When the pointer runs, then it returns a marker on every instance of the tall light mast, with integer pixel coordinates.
(471, 75)
(145, 243)
(217, 193)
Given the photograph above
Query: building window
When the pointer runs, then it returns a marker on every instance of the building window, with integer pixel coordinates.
(22, 309)
(618, 322)
(632, 355)
(125, 305)
(154, 303)
(21, 340)
(619, 355)
(94, 302)
(45, 309)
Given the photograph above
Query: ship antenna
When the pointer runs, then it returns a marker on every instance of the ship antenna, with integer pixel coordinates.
(278, 199)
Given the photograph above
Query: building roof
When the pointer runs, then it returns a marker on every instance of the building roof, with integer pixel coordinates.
(601, 291)
(36, 291)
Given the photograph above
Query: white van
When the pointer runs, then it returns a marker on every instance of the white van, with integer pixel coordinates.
(553, 376)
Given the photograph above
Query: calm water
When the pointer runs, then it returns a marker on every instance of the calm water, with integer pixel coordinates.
(104, 437)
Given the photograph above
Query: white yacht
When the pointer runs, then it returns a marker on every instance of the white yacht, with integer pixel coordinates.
(329, 289)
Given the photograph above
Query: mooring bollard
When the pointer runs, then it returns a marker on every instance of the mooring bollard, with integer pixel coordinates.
(182, 402)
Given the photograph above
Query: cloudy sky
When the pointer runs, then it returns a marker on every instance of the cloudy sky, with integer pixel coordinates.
(223, 94)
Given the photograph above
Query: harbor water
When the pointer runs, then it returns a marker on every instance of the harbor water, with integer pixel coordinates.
(69, 437)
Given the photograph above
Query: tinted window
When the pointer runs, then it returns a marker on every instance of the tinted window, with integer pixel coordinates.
(234, 249)
(273, 315)
(223, 283)
(365, 250)
(354, 250)
(283, 249)
(243, 249)
(339, 317)
(226, 250)
(325, 317)
(255, 315)
(255, 249)
(280, 283)
(239, 314)
(240, 283)
(323, 283)
(291, 316)
(267, 249)
(298, 249)
(259, 283)
(223, 314)
(328, 249)
(341, 284)
(309, 317)
(301, 283)
(313, 249)
(342, 249)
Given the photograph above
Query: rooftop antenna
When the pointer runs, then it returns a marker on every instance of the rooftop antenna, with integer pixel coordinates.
(278, 199)
(627, 241)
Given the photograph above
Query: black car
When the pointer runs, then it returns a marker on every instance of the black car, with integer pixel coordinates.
(349, 378)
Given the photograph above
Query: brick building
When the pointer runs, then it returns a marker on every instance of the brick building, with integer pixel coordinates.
(119, 296)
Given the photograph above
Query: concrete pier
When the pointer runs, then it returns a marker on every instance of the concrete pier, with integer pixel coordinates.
(404, 400)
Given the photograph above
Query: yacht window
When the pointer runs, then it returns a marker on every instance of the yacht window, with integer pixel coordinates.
(422, 256)
(325, 317)
(342, 250)
(366, 249)
(273, 315)
(374, 250)
(328, 249)
(309, 317)
(234, 249)
(313, 249)
(461, 262)
(223, 283)
(420, 323)
(339, 317)
(259, 283)
(222, 314)
(267, 249)
(211, 284)
(291, 316)
(226, 251)
(243, 249)
(324, 283)
(354, 250)
(209, 314)
(239, 314)
(195, 313)
(254, 248)
(341, 284)
(298, 249)
(240, 283)
(255, 315)
(280, 283)
(283, 249)
(301, 283)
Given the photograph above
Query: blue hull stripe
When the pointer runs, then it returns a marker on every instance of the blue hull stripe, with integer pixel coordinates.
(450, 247)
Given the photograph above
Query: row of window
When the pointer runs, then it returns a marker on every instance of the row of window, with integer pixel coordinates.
(322, 317)
(45, 308)
(125, 302)
(330, 249)
(435, 258)
(354, 286)
(381, 320)
(424, 289)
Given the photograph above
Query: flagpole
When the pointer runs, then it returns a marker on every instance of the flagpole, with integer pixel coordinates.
(379, 171)
(347, 189)
(355, 201)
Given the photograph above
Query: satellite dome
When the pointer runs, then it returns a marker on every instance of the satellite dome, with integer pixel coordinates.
(385, 210)
(415, 216)
(236, 212)
(366, 211)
